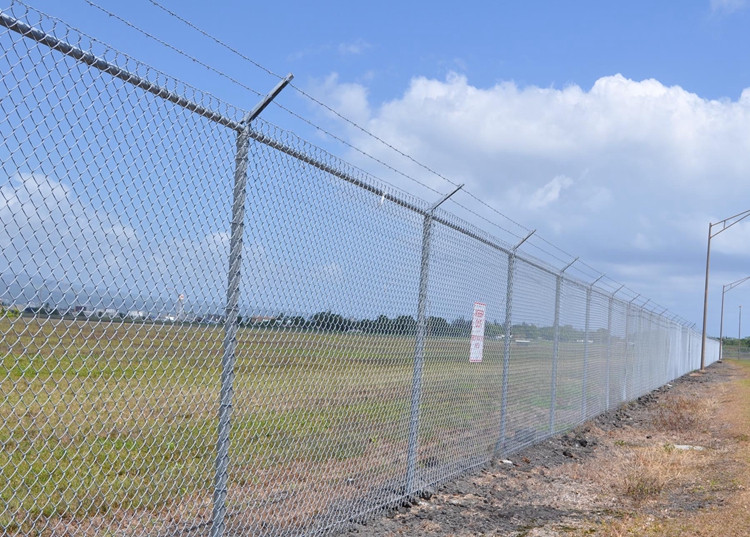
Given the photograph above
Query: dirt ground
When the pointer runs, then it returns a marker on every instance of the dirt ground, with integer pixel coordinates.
(674, 462)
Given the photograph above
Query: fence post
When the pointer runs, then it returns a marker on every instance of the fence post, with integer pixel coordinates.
(641, 353)
(416, 388)
(556, 347)
(555, 353)
(584, 402)
(627, 347)
(609, 352)
(654, 334)
(500, 446)
(585, 353)
(234, 269)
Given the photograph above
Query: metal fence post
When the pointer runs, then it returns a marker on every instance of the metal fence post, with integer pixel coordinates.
(654, 348)
(230, 334)
(500, 446)
(642, 353)
(556, 347)
(584, 402)
(627, 347)
(229, 356)
(555, 353)
(585, 353)
(609, 353)
(416, 388)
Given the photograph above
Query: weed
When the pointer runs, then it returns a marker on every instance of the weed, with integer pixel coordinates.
(642, 486)
(678, 414)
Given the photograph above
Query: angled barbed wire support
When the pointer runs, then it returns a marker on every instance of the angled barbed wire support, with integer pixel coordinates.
(500, 445)
(416, 388)
(556, 345)
(229, 356)
(586, 346)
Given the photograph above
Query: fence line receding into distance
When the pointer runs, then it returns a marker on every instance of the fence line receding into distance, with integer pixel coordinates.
(211, 327)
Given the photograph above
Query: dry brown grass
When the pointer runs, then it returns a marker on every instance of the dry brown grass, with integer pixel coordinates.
(636, 472)
(684, 414)
(642, 474)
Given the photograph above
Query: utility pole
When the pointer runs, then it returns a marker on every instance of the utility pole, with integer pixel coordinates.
(724, 289)
(725, 224)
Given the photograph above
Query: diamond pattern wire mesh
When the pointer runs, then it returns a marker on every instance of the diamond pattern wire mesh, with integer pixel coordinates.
(351, 386)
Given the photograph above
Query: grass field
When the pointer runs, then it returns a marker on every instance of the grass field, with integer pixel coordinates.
(113, 425)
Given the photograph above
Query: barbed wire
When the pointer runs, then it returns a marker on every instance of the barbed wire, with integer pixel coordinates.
(375, 137)
(289, 111)
(173, 48)
(536, 237)
(257, 93)
(331, 110)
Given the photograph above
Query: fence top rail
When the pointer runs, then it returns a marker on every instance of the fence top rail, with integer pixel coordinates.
(210, 107)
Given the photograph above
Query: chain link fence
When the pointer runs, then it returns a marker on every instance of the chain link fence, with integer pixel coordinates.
(211, 327)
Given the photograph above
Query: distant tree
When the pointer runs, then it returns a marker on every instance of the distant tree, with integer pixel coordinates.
(525, 331)
(330, 322)
(601, 335)
(568, 333)
(494, 329)
(438, 327)
(383, 325)
(296, 322)
(460, 328)
(404, 325)
(547, 332)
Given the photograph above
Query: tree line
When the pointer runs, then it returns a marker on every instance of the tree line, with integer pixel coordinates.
(406, 325)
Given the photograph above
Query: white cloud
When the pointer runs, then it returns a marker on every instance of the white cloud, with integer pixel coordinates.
(727, 6)
(50, 234)
(628, 173)
(351, 100)
(354, 48)
(549, 193)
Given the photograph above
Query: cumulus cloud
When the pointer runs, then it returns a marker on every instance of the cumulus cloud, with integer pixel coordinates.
(627, 172)
(350, 99)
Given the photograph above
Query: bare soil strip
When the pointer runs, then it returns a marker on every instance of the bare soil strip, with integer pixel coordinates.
(674, 462)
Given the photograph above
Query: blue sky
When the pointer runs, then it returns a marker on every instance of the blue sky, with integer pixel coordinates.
(618, 130)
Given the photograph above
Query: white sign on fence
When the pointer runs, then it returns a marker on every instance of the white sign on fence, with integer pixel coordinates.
(477, 332)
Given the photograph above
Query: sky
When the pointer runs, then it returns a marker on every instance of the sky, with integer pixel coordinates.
(617, 130)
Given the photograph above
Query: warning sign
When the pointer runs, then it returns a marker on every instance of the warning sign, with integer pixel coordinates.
(477, 332)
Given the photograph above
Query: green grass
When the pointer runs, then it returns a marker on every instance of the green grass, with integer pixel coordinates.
(102, 417)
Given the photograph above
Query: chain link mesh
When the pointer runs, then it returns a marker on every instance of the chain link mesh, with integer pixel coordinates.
(342, 376)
